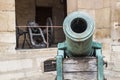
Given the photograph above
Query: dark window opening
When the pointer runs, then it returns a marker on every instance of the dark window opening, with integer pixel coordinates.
(39, 23)
(42, 13)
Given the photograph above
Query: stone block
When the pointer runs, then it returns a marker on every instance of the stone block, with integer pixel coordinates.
(72, 6)
(86, 4)
(6, 48)
(113, 78)
(7, 21)
(29, 75)
(12, 76)
(90, 4)
(102, 18)
(115, 20)
(117, 4)
(115, 32)
(91, 12)
(114, 14)
(106, 3)
(113, 2)
(99, 4)
(107, 55)
(102, 33)
(116, 66)
(13, 65)
(106, 47)
(7, 5)
(106, 51)
(112, 75)
(116, 48)
(115, 58)
(7, 37)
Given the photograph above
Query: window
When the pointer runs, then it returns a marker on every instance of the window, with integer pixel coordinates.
(39, 23)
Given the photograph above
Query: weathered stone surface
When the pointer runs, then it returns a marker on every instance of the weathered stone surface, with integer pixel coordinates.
(13, 65)
(11, 76)
(102, 33)
(115, 11)
(115, 21)
(99, 4)
(112, 75)
(7, 20)
(86, 4)
(7, 5)
(105, 13)
(7, 15)
(115, 58)
(113, 2)
(116, 48)
(30, 75)
(106, 48)
(7, 48)
(115, 32)
(72, 6)
(90, 4)
(91, 12)
(117, 4)
(7, 37)
(24, 64)
(114, 16)
(107, 57)
(106, 3)
(102, 18)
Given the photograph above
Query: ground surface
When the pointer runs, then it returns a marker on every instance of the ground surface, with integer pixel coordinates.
(37, 56)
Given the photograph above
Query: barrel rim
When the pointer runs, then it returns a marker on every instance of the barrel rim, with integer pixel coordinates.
(78, 36)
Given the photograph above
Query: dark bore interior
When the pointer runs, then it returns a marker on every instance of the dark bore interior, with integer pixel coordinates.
(78, 25)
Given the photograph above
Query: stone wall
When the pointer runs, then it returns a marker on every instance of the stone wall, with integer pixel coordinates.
(24, 64)
(115, 35)
(7, 15)
(106, 14)
(27, 64)
(7, 21)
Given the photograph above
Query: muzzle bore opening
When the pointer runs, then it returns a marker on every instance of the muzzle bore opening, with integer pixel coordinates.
(78, 25)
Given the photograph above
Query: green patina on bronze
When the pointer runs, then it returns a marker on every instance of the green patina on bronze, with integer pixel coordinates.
(79, 28)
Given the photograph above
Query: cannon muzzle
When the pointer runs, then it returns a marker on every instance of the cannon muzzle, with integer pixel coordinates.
(78, 28)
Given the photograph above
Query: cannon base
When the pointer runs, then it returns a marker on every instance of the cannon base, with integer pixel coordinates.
(82, 68)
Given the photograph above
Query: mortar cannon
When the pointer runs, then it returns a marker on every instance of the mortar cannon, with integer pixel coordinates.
(78, 28)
